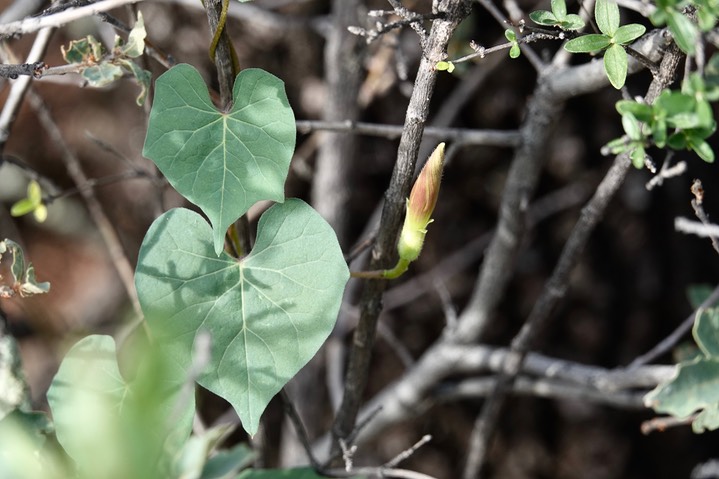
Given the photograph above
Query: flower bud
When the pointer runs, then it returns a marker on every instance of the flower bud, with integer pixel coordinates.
(420, 206)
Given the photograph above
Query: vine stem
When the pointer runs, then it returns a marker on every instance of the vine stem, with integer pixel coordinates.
(393, 213)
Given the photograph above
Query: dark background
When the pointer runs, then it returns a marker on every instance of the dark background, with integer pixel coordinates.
(627, 293)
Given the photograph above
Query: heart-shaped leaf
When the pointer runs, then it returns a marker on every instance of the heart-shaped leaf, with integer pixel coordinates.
(115, 428)
(267, 314)
(222, 162)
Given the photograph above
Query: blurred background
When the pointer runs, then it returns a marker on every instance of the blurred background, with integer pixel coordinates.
(627, 293)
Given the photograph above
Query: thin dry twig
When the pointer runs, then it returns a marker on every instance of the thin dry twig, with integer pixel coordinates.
(393, 211)
(557, 285)
(698, 206)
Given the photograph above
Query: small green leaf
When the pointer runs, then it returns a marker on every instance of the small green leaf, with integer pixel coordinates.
(268, 313)
(615, 64)
(102, 74)
(22, 207)
(543, 17)
(559, 8)
(143, 78)
(677, 141)
(631, 127)
(706, 332)
(695, 387)
(638, 156)
(444, 66)
(572, 22)
(587, 43)
(510, 35)
(31, 286)
(135, 45)
(628, 33)
(34, 192)
(704, 150)
(707, 420)
(640, 111)
(514, 51)
(222, 162)
(606, 12)
(78, 51)
(618, 145)
(684, 31)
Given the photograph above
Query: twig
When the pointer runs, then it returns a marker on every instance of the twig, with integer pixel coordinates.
(408, 452)
(546, 388)
(462, 135)
(667, 171)
(300, 430)
(663, 423)
(667, 343)
(343, 57)
(697, 228)
(533, 58)
(698, 206)
(107, 231)
(556, 287)
(392, 213)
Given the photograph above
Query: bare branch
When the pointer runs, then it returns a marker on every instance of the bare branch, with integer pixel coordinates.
(391, 132)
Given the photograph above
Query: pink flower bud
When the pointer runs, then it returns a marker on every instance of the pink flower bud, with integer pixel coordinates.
(420, 206)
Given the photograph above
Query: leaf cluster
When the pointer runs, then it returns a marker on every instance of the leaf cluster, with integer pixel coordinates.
(612, 40)
(558, 17)
(101, 68)
(681, 120)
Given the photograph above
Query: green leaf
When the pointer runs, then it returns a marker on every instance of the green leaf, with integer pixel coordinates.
(22, 207)
(572, 22)
(442, 66)
(698, 293)
(514, 51)
(25, 453)
(695, 387)
(268, 313)
(684, 31)
(228, 462)
(31, 286)
(102, 74)
(631, 127)
(587, 43)
(143, 78)
(677, 141)
(640, 111)
(617, 145)
(628, 33)
(707, 420)
(112, 428)
(510, 35)
(223, 163)
(543, 17)
(135, 45)
(559, 8)
(615, 64)
(706, 332)
(606, 12)
(193, 457)
(638, 156)
(704, 150)
(17, 269)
